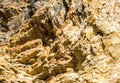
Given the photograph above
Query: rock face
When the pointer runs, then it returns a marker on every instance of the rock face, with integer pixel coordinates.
(60, 41)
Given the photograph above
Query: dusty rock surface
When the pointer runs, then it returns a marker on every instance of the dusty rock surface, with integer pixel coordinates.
(59, 41)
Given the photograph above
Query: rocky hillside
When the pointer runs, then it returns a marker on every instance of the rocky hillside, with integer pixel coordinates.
(59, 41)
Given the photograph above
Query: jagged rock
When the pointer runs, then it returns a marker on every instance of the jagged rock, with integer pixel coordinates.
(60, 41)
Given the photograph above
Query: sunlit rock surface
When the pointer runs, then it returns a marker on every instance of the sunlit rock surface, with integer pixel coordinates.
(59, 41)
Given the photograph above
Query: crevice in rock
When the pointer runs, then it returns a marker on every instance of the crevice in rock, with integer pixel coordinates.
(66, 8)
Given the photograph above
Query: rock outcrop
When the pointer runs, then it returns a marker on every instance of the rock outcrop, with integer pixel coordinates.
(61, 41)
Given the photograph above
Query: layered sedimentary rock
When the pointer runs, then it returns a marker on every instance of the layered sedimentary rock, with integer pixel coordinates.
(64, 41)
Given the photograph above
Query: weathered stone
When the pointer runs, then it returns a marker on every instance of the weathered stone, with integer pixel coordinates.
(60, 41)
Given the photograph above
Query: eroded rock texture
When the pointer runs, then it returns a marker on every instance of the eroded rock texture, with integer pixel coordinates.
(60, 41)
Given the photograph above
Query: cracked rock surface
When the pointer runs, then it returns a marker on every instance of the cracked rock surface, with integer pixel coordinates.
(59, 41)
